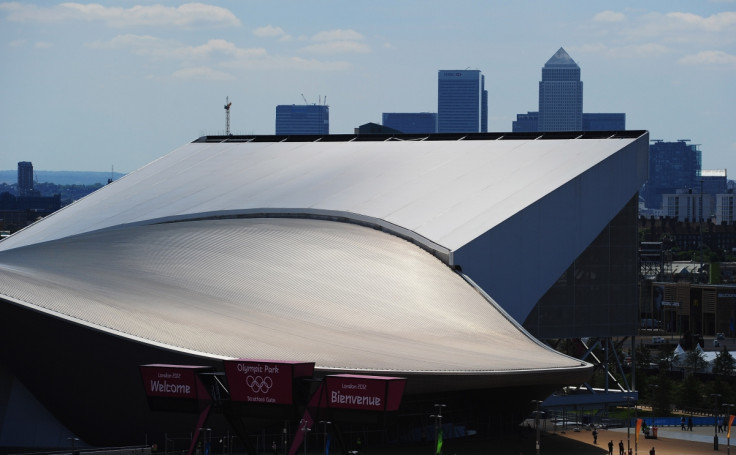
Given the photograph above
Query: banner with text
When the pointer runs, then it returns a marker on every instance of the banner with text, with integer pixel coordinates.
(264, 381)
(172, 381)
(369, 393)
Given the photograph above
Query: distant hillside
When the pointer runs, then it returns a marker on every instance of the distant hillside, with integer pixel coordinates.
(62, 177)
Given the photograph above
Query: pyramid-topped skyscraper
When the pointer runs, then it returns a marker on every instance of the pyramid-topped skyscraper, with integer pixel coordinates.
(561, 94)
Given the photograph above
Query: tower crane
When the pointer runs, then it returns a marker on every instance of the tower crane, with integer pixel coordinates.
(227, 116)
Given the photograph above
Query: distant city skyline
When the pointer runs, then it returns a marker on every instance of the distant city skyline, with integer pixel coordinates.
(90, 87)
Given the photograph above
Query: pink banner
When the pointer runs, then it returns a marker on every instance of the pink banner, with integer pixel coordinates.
(264, 381)
(369, 393)
(172, 381)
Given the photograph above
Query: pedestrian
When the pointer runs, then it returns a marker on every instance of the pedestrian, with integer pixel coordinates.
(651, 452)
(690, 423)
(610, 447)
(630, 452)
(595, 436)
(682, 423)
(275, 448)
(621, 447)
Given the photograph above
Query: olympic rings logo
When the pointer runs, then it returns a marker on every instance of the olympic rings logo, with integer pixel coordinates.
(259, 384)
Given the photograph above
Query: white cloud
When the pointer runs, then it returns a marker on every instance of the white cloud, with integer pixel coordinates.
(609, 16)
(725, 21)
(338, 35)
(282, 63)
(18, 43)
(43, 45)
(643, 50)
(186, 15)
(338, 47)
(150, 46)
(202, 73)
(709, 58)
(269, 31)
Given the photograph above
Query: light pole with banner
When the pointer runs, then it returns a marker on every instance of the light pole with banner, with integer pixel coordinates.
(438, 428)
(728, 407)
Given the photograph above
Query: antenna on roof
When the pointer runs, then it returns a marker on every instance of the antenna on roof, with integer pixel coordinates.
(227, 115)
(112, 173)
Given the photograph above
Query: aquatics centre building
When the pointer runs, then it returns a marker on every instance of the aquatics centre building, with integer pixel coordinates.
(439, 259)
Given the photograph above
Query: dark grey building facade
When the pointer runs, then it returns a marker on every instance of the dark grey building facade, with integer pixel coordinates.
(411, 122)
(302, 119)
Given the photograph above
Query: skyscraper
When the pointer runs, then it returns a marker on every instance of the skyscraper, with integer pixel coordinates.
(25, 178)
(560, 94)
(462, 102)
(302, 119)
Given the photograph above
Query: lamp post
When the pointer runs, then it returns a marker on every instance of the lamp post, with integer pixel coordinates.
(207, 436)
(325, 423)
(728, 435)
(73, 439)
(305, 428)
(715, 396)
(437, 423)
(628, 423)
(536, 422)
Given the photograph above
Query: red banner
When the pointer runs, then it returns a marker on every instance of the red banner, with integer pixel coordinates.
(171, 381)
(370, 393)
(264, 381)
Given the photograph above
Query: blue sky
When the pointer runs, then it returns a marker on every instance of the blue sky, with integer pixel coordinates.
(92, 86)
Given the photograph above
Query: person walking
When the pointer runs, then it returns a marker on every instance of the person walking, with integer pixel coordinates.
(621, 447)
(682, 423)
(690, 423)
(610, 447)
(651, 452)
(595, 436)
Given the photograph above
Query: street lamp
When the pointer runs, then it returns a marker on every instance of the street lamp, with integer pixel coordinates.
(728, 435)
(72, 439)
(207, 437)
(536, 422)
(437, 423)
(715, 396)
(629, 400)
(325, 423)
(305, 428)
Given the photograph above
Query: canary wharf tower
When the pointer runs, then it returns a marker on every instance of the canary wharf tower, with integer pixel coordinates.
(561, 95)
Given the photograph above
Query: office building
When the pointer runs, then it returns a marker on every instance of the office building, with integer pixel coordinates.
(526, 123)
(411, 122)
(560, 94)
(561, 103)
(25, 178)
(604, 122)
(462, 102)
(688, 205)
(724, 208)
(305, 119)
(673, 166)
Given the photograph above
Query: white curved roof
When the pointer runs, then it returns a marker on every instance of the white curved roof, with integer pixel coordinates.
(348, 297)
(443, 193)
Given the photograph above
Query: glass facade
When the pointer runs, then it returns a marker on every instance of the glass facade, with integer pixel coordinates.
(462, 102)
(561, 95)
(411, 122)
(673, 166)
(604, 122)
(302, 119)
(595, 296)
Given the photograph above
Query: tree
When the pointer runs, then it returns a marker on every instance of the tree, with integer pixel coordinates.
(694, 361)
(724, 363)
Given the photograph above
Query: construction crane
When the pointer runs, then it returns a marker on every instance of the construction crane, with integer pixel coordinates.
(305, 99)
(227, 116)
